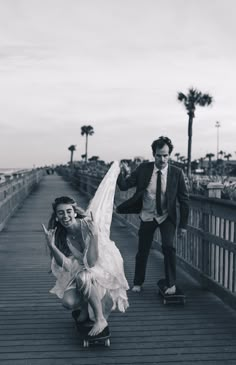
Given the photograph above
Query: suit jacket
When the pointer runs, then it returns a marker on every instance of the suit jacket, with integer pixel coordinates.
(175, 190)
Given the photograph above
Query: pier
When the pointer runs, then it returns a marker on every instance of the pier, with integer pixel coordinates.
(35, 328)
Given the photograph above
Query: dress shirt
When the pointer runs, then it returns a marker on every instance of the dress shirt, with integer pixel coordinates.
(149, 211)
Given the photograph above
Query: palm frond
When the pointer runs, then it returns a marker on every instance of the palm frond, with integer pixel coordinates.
(193, 98)
(210, 155)
(181, 96)
(87, 129)
(205, 100)
(83, 130)
(72, 147)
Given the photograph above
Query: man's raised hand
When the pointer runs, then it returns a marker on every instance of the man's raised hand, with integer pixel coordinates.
(124, 168)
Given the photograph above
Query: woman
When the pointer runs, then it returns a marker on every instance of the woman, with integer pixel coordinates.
(87, 264)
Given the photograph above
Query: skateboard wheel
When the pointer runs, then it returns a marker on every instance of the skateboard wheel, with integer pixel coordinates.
(107, 342)
(85, 343)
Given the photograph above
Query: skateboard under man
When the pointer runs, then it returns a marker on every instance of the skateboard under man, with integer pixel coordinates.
(84, 328)
(178, 297)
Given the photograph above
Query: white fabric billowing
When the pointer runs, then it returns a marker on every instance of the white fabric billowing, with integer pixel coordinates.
(101, 205)
(110, 259)
(108, 272)
(66, 273)
(63, 278)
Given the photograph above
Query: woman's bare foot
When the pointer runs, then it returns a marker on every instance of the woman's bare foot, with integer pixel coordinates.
(171, 290)
(98, 327)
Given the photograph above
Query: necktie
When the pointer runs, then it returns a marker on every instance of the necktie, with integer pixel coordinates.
(158, 193)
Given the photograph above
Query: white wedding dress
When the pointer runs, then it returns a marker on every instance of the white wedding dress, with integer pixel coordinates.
(108, 272)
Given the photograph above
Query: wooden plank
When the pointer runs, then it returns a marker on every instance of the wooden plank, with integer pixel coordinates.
(35, 329)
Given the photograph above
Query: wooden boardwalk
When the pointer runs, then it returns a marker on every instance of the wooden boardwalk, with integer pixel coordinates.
(36, 330)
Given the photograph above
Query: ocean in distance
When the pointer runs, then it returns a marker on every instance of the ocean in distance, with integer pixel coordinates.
(8, 171)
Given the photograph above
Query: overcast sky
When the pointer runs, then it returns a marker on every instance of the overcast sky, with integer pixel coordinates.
(116, 65)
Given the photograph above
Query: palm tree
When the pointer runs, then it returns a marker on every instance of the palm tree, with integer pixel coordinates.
(221, 153)
(201, 161)
(209, 156)
(83, 156)
(93, 158)
(177, 154)
(191, 100)
(88, 131)
(72, 149)
(228, 156)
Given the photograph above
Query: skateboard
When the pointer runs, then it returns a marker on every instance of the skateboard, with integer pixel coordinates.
(178, 297)
(83, 329)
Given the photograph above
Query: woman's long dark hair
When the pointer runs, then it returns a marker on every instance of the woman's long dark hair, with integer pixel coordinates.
(60, 235)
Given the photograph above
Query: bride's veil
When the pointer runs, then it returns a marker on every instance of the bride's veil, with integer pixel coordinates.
(101, 206)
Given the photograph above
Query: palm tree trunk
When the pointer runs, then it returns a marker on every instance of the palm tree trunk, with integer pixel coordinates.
(190, 129)
(209, 166)
(86, 148)
(71, 157)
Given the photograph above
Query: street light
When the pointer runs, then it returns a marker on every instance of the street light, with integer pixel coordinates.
(217, 147)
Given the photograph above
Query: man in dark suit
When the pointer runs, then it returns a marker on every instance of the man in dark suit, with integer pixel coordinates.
(158, 186)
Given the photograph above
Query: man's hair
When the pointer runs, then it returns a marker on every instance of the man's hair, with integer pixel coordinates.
(160, 142)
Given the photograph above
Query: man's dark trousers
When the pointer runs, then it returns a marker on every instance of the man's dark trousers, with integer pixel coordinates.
(146, 233)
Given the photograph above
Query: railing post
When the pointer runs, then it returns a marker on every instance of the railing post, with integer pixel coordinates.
(205, 250)
(7, 178)
(214, 189)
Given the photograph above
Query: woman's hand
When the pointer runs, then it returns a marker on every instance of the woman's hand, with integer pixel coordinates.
(54, 251)
(50, 236)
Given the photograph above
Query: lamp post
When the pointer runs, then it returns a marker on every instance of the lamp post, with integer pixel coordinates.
(217, 145)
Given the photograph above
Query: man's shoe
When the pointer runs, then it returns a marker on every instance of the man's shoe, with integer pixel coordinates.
(137, 288)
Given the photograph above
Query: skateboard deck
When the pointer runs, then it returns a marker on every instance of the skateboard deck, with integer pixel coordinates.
(102, 338)
(84, 328)
(178, 297)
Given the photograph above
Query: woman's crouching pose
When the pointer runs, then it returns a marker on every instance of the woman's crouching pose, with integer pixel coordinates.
(87, 264)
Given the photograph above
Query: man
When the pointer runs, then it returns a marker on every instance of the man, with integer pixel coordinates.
(158, 186)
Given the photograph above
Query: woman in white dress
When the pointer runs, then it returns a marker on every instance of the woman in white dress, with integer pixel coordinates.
(86, 263)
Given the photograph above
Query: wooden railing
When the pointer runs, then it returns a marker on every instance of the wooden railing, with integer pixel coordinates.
(210, 245)
(208, 252)
(14, 189)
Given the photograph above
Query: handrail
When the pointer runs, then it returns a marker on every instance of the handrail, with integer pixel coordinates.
(14, 189)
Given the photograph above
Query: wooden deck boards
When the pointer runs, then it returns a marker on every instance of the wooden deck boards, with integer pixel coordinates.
(35, 329)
